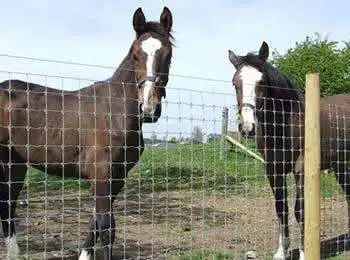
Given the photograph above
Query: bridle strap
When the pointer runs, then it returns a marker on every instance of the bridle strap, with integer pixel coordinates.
(139, 82)
(247, 105)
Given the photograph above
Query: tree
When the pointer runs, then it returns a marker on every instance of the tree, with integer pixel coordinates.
(197, 135)
(320, 55)
(172, 140)
(154, 138)
(147, 140)
(213, 137)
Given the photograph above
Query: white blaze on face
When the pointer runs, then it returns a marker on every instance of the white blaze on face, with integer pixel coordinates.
(249, 76)
(149, 46)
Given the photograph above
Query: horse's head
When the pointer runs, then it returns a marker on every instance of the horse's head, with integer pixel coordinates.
(248, 84)
(152, 52)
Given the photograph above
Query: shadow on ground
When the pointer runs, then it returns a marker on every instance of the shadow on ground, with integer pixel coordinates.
(329, 247)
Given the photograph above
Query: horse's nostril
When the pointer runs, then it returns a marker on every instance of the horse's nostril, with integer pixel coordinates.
(159, 83)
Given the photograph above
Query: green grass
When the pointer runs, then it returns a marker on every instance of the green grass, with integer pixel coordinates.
(200, 255)
(191, 166)
(39, 181)
(198, 167)
(222, 255)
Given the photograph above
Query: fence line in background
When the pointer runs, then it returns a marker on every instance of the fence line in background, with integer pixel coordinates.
(224, 127)
(245, 149)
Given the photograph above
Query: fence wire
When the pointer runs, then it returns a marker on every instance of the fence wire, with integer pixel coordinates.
(187, 196)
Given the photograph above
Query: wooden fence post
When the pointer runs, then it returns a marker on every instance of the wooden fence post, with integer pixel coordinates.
(312, 167)
(224, 126)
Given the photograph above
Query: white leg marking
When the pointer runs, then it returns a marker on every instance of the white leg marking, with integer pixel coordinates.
(250, 76)
(84, 255)
(302, 255)
(149, 46)
(12, 247)
(283, 244)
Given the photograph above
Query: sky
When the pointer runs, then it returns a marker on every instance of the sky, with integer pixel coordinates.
(100, 32)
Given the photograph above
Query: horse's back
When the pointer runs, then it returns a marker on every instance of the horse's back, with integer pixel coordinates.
(51, 126)
(335, 129)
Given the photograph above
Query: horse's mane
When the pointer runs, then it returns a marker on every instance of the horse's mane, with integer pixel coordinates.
(158, 31)
(158, 28)
(274, 78)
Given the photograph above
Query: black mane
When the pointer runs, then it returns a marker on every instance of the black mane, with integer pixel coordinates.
(273, 79)
(158, 29)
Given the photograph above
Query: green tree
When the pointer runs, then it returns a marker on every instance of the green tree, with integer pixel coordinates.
(197, 135)
(154, 138)
(173, 140)
(320, 55)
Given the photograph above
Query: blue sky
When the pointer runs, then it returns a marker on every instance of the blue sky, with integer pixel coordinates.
(100, 32)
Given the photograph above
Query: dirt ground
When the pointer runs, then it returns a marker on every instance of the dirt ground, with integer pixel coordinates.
(159, 225)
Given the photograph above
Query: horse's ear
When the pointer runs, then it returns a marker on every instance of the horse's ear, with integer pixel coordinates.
(264, 51)
(139, 21)
(233, 58)
(166, 19)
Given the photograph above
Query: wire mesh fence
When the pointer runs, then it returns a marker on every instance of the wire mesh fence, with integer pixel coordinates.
(183, 198)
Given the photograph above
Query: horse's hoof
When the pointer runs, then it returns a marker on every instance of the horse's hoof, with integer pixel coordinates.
(301, 255)
(12, 248)
(279, 255)
(84, 255)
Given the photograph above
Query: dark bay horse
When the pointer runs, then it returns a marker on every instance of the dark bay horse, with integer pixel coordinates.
(94, 133)
(271, 108)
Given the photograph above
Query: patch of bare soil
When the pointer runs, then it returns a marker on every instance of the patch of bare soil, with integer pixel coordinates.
(163, 224)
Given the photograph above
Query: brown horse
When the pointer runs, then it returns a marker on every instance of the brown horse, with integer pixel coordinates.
(271, 108)
(94, 133)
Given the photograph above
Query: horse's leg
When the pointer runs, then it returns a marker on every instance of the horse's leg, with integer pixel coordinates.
(276, 177)
(11, 183)
(105, 196)
(103, 220)
(343, 178)
(91, 239)
(299, 201)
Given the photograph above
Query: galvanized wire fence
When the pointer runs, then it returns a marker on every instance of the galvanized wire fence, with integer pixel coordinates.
(182, 198)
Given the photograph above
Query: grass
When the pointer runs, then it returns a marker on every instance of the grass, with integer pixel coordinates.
(222, 255)
(200, 255)
(198, 167)
(37, 181)
(192, 166)
(215, 255)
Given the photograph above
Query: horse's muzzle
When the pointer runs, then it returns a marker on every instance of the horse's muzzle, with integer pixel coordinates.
(247, 129)
(152, 117)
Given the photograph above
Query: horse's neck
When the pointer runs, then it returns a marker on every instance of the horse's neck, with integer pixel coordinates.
(124, 77)
(278, 109)
(125, 73)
